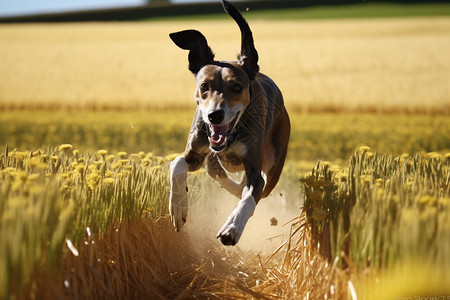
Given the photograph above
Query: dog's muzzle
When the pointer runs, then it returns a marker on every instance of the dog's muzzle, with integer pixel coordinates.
(221, 136)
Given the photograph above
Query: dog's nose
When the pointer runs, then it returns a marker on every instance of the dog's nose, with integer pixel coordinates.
(216, 117)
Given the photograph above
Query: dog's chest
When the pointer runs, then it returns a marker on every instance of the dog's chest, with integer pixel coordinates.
(231, 159)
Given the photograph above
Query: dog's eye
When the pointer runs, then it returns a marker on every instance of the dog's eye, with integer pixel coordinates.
(204, 87)
(237, 88)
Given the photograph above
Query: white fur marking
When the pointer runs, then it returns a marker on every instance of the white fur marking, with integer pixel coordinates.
(178, 203)
(234, 226)
(264, 176)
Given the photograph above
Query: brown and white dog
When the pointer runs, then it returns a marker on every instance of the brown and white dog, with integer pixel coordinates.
(240, 124)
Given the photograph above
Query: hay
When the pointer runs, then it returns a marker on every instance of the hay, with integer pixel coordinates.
(147, 259)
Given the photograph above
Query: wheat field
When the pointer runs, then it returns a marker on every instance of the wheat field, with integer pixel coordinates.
(92, 114)
(359, 64)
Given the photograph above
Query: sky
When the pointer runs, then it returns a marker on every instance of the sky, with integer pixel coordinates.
(25, 7)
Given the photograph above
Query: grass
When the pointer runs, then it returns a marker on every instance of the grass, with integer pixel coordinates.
(375, 65)
(314, 136)
(55, 194)
(383, 212)
(51, 196)
(360, 10)
(91, 221)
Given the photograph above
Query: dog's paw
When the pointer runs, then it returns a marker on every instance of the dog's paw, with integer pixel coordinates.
(178, 214)
(229, 235)
(231, 231)
(178, 202)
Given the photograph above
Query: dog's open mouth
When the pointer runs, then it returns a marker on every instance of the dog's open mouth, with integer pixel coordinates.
(220, 135)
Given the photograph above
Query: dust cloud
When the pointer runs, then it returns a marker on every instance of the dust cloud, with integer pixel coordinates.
(261, 236)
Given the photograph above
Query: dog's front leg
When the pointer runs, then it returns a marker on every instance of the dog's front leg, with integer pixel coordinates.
(178, 203)
(231, 231)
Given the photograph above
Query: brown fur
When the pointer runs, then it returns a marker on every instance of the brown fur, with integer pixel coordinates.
(248, 103)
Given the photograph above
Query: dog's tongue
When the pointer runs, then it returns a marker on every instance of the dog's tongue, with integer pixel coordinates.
(218, 133)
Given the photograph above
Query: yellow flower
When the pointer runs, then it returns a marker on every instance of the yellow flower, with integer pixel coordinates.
(146, 162)
(65, 147)
(79, 168)
(426, 199)
(160, 160)
(172, 156)
(366, 178)
(35, 163)
(93, 167)
(122, 154)
(19, 175)
(325, 163)
(102, 152)
(341, 176)
(109, 181)
(364, 148)
(76, 152)
(8, 170)
(116, 165)
(93, 179)
(433, 155)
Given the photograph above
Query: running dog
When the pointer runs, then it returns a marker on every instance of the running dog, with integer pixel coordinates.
(240, 124)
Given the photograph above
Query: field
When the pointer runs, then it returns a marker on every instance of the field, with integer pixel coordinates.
(92, 114)
(380, 65)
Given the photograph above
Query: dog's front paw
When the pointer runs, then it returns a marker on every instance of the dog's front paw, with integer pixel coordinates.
(229, 234)
(231, 231)
(178, 202)
(178, 210)
(178, 214)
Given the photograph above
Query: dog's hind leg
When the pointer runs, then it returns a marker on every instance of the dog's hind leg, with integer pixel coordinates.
(216, 171)
(280, 139)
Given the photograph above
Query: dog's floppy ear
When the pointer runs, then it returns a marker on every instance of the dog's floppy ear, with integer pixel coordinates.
(249, 55)
(199, 52)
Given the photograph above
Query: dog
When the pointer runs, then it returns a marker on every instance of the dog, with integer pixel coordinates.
(240, 124)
